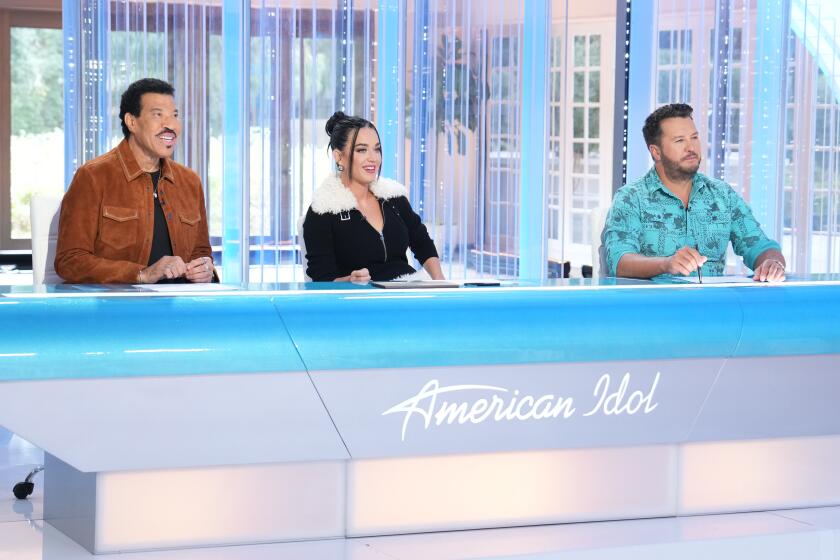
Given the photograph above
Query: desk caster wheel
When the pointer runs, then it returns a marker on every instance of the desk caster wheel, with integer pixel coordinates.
(23, 490)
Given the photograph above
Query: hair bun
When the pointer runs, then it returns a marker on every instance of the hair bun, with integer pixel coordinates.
(334, 120)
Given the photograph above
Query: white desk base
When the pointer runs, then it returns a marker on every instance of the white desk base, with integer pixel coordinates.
(191, 507)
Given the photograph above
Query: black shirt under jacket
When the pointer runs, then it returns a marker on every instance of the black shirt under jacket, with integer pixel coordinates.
(161, 242)
(341, 242)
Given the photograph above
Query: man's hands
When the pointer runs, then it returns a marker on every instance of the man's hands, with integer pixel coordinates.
(167, 267)
(769, 266)
(198, 270)
(684, 262)
(769, 270)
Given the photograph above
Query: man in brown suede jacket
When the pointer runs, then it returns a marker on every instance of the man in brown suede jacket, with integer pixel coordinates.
(133, 215)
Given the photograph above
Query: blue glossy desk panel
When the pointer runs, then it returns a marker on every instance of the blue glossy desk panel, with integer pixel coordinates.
(790, 320)
(158, 381)
(498, 326)
(90, 336)
(285, 328)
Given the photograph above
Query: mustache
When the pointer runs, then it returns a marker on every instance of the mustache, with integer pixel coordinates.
(169, 130)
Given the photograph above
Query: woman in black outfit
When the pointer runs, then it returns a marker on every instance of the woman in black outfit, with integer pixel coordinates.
(359, 225)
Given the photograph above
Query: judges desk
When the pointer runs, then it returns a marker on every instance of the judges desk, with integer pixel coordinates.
(310, 411)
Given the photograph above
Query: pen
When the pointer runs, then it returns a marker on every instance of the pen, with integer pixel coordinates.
(699, 268)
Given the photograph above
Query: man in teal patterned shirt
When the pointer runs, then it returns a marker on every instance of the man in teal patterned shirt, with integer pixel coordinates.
(674, 220)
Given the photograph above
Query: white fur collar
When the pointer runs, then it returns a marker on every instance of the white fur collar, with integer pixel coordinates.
(333, 197)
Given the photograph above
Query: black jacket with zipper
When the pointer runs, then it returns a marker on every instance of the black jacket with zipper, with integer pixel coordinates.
(339, 241)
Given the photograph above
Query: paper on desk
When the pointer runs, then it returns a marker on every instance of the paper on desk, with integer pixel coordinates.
(716, 279)
(176, 288)
(415, 284)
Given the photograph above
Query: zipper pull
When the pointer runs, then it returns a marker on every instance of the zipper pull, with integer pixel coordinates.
(384, 247)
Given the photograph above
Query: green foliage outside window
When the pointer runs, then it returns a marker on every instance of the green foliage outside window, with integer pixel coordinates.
(37, 81)
(37, 119)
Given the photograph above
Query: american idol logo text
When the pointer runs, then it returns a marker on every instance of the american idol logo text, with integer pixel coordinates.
(436, 405)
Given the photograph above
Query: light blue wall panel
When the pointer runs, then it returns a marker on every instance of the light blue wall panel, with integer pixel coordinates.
(772, 28)
(532, 234)
(390, 90)
(235, 215)
(643, 15)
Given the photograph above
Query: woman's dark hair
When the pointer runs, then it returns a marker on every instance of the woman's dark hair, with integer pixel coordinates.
(342, 128)
(652, 130)
(130, 100)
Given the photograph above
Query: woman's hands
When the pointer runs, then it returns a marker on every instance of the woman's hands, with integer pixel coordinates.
(361, 276)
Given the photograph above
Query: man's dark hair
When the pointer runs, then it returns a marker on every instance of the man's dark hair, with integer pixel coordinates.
(653, 129)
(340, 127)
(130, 100)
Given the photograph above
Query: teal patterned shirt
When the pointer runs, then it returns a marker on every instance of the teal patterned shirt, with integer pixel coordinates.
(648, 219)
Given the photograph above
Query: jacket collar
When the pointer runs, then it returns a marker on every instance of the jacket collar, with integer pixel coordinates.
(131, 169)
(333, 197)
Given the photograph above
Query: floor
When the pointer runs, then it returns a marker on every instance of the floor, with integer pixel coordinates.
(792, 534)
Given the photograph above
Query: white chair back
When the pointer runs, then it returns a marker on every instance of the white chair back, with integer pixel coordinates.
(302, 245)
(597, 220)
(44, 211)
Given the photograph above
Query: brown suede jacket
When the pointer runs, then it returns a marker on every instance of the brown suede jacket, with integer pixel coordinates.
(107, 218)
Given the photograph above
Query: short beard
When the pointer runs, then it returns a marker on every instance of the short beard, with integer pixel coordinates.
(675, 173)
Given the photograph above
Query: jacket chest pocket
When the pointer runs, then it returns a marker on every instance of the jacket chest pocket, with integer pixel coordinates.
(712, 230)
(656, 225)
(119, 227)
(663, 231)
(189, 230)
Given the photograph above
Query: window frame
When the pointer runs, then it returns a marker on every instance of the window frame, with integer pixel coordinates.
(560, 181)
(9, 18)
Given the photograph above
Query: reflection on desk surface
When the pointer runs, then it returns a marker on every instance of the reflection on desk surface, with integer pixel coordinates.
(715, 279)
(189, 288)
